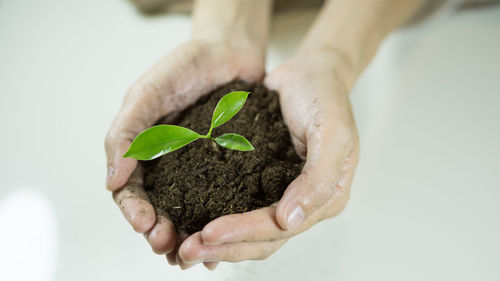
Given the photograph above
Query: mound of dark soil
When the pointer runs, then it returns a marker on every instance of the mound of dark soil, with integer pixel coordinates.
(203, 181)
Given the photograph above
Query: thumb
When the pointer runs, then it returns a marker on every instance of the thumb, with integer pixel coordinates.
(139, 111)
(119, 168)
(327, 149)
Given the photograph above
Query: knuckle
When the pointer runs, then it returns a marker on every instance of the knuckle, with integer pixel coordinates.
(322, 184)
(344, 135)
(142, 220)
(321, 190)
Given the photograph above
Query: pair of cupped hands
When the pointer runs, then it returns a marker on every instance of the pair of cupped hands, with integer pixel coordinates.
(316, 108)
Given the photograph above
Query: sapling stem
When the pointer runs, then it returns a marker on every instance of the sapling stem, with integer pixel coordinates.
(210, 131)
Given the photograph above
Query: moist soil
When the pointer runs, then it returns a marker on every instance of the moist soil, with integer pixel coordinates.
(202, 181)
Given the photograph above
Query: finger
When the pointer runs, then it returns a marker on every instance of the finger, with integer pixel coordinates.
(134, 203)
(211, 265)
(182, 237)
(141, 109)
(162, 236)
(325, 129)
(255, 226)
(182, 264)
(171, 258)
(343, 190)
(327, 148)
(261, 225)
(193, 250)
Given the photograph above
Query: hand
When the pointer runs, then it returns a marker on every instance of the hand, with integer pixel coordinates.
(315, 106)
(170, 86)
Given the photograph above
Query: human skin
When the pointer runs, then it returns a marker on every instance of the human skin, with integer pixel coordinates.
(228, 43)
(313, 85)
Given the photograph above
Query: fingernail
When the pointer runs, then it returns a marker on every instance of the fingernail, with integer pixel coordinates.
(109, 177)
(295, 217)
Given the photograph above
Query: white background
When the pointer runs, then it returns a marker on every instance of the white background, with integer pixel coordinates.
(426, 199)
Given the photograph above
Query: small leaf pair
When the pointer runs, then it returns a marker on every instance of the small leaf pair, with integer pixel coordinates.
(162, 139)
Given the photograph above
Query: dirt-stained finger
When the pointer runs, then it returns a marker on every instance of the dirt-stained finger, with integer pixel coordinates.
(162, 236)
(134, 203)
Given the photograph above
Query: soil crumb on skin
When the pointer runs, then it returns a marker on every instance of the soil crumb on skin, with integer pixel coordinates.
(203, 181)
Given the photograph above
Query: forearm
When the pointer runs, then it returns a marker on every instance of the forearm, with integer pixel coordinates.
(350, 31)
(240, 23)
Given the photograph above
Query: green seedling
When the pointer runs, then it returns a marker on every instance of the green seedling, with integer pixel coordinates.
(162, 139)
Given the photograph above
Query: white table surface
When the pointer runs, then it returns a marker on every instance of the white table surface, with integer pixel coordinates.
(426, 199)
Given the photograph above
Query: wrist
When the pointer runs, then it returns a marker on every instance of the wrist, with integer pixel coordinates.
(232, 43)
(329, 61)
(348, 32)
(239, 24)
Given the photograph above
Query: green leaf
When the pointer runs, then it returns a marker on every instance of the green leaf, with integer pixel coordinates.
(228, 106)
(234, 142)
(159, 140)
